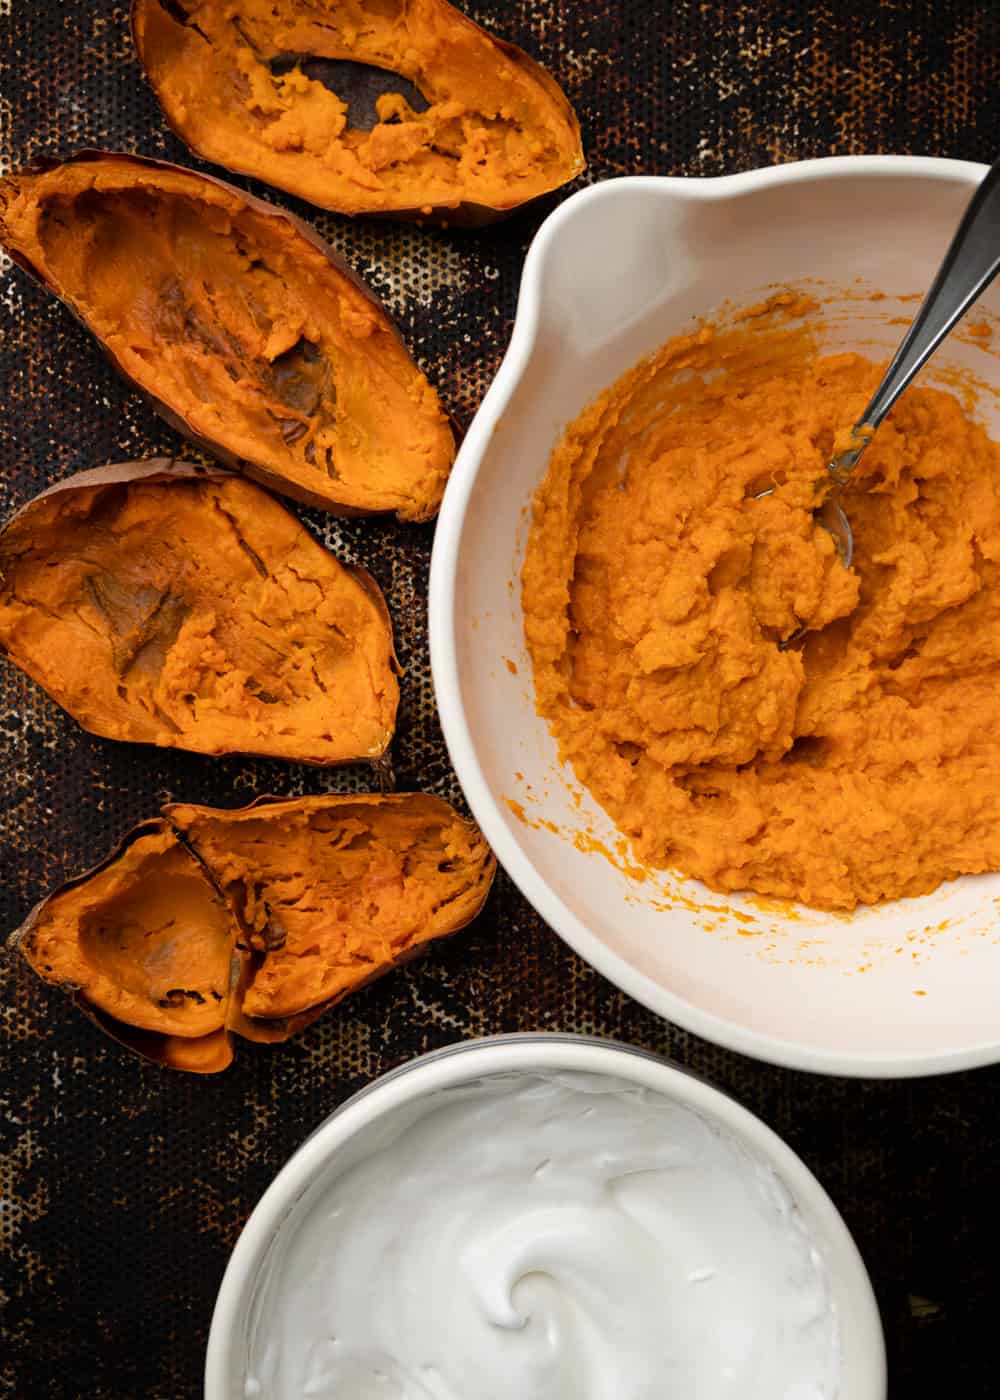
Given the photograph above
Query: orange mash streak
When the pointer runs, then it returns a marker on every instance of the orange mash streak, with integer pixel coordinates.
(866, 764)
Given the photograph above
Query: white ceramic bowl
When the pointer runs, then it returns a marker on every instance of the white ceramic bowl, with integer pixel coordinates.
(903, 989)
(350, 1132)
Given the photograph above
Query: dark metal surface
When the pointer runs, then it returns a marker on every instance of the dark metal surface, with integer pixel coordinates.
(122, 1188)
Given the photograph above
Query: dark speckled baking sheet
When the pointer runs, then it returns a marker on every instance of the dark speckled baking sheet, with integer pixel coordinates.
(123, 1188)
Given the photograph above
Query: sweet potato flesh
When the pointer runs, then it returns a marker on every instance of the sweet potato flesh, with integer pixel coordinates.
(291, 92)
(241, 329)
(255, 921)
(335, 891)
(145, 940)
(196, 614)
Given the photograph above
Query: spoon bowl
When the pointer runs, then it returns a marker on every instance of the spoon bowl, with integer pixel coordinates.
(970, 265)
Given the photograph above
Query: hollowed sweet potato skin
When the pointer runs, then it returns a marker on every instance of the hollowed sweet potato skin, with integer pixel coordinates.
(289, 92)
(144, 945)
(164, 603)
(247, 333)
(208, 923)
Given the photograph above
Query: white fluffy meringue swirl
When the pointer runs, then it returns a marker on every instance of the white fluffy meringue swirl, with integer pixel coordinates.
(547, 1238)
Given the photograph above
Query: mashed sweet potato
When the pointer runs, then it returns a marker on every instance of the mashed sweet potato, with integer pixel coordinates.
(860, 767)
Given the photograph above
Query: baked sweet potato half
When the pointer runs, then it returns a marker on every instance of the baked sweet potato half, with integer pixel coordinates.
(392, 107)
(246, 332)
(176, 605)
(333, 891)
(207, 923)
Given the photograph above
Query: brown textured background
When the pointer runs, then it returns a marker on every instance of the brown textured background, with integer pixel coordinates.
(122, 1188)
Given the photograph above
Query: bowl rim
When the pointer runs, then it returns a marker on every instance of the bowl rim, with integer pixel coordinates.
(484, 804)
(527, 1051)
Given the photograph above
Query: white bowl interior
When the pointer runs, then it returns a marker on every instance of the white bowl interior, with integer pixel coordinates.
(907, 987)
(379, 1113)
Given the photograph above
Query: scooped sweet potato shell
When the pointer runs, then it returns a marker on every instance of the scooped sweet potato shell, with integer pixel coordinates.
(393, 107)
(247, 333)
(207, 923)
(176, 605)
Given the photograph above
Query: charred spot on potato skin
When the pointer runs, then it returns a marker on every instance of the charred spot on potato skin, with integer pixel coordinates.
(178, 319)
(177, 996)
(292, 429)
(175, 10)
(326, 464)
(254, 558)
(358, 85)
(302, 378)
(122, 607)
(241, 539)
(144, 621)
(157, 636)
(275, 933)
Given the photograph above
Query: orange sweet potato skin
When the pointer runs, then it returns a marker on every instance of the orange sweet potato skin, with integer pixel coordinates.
(417, 472)
(59, 960)
(113, 597)
(218, 91)
(255, 886)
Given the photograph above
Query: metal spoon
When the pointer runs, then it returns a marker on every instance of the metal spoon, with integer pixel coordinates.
(969, 266)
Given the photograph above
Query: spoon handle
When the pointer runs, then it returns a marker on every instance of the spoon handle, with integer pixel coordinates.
(969, 266)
